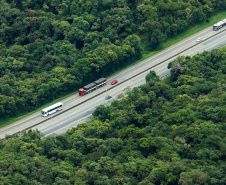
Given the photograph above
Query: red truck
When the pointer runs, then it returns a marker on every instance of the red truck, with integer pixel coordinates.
(93, 86)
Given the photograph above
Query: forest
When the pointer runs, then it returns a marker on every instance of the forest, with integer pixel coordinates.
(49, 48)
(159, 133)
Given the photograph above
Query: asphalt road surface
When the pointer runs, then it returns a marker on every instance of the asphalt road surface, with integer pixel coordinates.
(59, 122)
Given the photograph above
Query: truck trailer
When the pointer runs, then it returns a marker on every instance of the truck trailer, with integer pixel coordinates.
(92, 86)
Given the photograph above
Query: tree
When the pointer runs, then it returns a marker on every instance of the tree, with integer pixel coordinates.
(111, 145)
(7, 106)
(152, 76)
(81, 177)
(135, 42)
(102, 112)
(193, 177)
(213, 155)
(178, 66)
(81, 23)
(161, 175)
(97, 129)
(148, 144)
(200, 130)
(157, 37)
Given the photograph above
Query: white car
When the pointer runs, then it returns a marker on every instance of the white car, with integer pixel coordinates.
(198, 39)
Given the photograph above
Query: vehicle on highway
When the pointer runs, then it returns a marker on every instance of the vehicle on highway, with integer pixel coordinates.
(52, 109)
(108, 97)
(67, 118)
(199, 40)
(114, 82)
(219, 25)
(93, 86)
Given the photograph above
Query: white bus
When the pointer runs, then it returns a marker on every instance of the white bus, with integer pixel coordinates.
(52, 109)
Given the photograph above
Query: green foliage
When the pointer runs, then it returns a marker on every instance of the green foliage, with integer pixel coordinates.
(151, 76)
(51, 48)
(159, 133)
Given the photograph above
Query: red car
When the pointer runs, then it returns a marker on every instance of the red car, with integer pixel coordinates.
(114, 82)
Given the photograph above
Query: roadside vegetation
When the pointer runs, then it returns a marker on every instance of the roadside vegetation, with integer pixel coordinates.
(160, 133)
(51, 48)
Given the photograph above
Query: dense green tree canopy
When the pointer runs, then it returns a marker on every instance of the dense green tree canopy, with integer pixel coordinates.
(159, 133)
(50, 48)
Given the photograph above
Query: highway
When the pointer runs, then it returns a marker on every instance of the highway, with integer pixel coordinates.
(59, 122)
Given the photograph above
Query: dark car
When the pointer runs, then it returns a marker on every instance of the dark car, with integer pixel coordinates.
(108, 97)
(114, 82)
